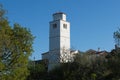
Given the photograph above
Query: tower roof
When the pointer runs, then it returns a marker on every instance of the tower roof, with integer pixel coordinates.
(59, 16)
(59, 13)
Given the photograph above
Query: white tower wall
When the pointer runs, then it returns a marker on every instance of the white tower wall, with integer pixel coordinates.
(64, 35)
(59, 40)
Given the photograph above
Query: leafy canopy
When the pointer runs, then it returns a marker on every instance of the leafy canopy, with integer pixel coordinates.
(15, 49)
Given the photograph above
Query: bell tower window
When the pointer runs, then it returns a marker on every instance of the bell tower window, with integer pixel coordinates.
(54, 26)
(65, 26)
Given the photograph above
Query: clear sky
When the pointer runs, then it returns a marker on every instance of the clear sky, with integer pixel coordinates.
(92, 21)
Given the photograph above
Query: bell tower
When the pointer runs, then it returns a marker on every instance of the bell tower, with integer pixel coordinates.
(59, 32)
(59, 39)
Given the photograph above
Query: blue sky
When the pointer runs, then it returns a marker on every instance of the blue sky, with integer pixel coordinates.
(92, 21)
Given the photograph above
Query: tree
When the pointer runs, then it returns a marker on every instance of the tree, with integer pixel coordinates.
(15, 49)
(37, 70)
(116, 36)
(113, 64)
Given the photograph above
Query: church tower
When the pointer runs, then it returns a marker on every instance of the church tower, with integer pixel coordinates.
(59, 40)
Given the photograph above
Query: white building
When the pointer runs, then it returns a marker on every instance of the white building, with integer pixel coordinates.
(59, 41)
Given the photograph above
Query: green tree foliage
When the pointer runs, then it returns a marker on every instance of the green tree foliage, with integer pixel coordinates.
(15, 49)
(83, 68)
(113, 64)
(114, 59)
(38, 71)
